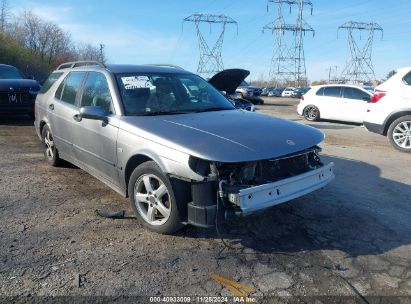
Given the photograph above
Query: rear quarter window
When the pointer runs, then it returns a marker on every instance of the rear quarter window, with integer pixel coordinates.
(407, 79)
(49, 82)
(320, 92)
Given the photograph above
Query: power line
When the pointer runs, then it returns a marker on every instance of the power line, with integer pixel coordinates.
(288, 60)
(359, 68)
(211, 60)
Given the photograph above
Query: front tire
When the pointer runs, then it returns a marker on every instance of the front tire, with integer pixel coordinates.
(49, 147)
(153, 200)
(311, 113)
(399, 134)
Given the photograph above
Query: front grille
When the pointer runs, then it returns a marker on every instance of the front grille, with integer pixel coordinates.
(270, 170)
(16, 98)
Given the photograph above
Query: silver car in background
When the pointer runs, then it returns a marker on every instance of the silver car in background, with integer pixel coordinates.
(173, 144)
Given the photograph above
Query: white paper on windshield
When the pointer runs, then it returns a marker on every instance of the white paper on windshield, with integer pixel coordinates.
(136, 82)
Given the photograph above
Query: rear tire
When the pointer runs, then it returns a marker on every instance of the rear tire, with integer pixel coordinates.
(49, 148)
(153, 200)
(311, 113)
(399, 134)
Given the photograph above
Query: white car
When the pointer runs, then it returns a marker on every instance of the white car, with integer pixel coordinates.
(287, 92)
(389, 112)
(335, 102)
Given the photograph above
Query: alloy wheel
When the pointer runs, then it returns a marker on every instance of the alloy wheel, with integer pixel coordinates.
(152, 199)
(49, 145)
(402, 134)
(311, 113)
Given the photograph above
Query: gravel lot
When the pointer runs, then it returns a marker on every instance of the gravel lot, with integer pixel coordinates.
(352, 238)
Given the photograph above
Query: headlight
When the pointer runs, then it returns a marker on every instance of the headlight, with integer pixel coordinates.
(33, 91)
(199, 166)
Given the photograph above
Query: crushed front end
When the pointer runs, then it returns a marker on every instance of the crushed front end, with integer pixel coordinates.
(246, 187)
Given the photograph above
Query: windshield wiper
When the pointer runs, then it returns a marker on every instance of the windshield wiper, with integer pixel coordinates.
(213, 109)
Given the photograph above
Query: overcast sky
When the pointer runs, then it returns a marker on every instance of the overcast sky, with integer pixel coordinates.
(151, 31)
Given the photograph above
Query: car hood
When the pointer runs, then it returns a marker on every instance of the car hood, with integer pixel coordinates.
(18, 85)
(228, 80)
(225, 136)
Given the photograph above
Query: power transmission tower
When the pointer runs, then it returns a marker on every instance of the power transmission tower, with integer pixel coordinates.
(359, 68)
(211, 60)
(288, 60)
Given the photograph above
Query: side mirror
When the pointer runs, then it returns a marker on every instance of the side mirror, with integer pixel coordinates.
(92, 112)
(224, 93)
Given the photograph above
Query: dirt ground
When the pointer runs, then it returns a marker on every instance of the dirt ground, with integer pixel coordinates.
(348, 242)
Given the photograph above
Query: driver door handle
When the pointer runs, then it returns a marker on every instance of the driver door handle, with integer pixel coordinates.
(51, 106)
(77, 117)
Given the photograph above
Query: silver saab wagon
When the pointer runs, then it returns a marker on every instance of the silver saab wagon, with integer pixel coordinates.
(174, 144)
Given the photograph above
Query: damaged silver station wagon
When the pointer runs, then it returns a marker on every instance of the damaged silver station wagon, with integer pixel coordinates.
(174, 144)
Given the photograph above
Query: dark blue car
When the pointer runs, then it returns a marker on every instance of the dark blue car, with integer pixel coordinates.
(17, 93)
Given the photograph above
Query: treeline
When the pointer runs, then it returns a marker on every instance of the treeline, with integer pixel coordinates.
(37, 46)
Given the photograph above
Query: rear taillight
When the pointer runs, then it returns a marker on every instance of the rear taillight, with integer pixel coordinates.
(377, 96)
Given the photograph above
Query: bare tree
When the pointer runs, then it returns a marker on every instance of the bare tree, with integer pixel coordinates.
(86, 51)
(4, 15)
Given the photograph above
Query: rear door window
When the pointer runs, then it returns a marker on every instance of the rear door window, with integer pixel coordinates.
(353, 93)
(332, 91)
(69, 88)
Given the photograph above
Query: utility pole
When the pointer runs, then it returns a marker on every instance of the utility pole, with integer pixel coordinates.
(288, 60)
(211, 60)
(330, 72)
(359, 68)
(102, 57)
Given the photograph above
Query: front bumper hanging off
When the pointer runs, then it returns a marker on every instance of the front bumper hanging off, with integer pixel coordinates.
(271, 194)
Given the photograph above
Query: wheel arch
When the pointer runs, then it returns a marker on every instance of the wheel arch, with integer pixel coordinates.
(42, 124)
(392, 118)
(134, 161)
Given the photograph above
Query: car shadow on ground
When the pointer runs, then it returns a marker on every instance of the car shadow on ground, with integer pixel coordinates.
(348, 215)
(333, 124)
(15, 120)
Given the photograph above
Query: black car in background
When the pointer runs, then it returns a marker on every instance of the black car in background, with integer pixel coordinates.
(298, 92)
(17, 93)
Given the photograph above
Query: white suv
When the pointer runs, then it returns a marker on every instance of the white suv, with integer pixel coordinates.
(389, 112)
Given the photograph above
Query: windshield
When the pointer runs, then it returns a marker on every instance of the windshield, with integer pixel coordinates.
(8, 72)
(161, 94)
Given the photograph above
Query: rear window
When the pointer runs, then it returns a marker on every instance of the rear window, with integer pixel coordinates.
(49, 82)
(407, 78)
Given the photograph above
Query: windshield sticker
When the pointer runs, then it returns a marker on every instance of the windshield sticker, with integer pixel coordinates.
(136, 82)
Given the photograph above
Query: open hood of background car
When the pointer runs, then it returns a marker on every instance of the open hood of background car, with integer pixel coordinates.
(228, 80)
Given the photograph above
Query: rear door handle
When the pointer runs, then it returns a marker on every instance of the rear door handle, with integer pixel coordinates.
(51, 106)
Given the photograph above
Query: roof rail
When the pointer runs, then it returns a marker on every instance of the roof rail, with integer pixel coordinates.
(165, 65)
(74, 64)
